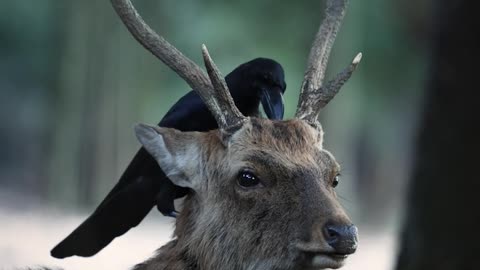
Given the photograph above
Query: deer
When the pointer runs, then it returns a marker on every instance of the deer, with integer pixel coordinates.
(262, 191)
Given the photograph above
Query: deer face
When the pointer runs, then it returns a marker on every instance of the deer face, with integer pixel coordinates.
(266, 201)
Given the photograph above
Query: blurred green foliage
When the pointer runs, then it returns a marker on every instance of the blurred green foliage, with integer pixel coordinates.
(73, 82)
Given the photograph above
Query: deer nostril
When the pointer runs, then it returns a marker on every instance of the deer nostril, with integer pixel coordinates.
(331, 234)
(343, 238)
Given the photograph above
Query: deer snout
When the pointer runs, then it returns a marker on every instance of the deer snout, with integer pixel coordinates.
(342, 238)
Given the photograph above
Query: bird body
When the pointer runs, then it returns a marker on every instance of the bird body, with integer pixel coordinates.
(144, 185)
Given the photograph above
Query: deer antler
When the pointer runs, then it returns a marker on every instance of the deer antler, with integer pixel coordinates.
(314, 96)
(216, 97)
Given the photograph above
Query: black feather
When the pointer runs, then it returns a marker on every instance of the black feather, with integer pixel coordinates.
(144, 185)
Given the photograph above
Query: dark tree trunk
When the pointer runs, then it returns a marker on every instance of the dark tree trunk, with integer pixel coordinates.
(443, 220)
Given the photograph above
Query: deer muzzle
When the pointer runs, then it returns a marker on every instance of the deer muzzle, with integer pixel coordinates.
(342, 238)
(338, 240)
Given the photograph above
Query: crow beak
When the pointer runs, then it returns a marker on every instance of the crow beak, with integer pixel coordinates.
(272, 102)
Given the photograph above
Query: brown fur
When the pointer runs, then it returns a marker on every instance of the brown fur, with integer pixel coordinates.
(225, 226)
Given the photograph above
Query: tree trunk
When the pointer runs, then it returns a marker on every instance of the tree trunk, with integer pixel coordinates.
(441, 230)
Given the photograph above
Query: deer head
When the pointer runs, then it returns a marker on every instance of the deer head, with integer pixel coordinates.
(262, 191)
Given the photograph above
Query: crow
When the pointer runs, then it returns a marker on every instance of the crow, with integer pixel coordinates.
(144, 185)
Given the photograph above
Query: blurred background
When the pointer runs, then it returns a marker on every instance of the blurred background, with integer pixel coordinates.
(73, 82)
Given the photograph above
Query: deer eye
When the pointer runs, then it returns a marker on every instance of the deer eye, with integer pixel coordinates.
(247, 179)
(336, 180)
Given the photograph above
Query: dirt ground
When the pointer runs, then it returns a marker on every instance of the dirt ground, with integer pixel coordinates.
(26, 238)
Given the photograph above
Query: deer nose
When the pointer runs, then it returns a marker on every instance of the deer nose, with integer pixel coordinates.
(342, 238)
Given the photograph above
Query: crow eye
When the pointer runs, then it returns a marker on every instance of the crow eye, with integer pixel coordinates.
(335, 181)
(266, 78)
(247, 179)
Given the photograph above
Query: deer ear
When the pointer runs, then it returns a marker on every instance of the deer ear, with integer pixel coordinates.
(176, 152)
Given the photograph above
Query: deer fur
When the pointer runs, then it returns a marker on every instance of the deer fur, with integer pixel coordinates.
(225, 226)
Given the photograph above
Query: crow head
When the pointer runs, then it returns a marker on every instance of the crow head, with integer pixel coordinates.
(259, 80)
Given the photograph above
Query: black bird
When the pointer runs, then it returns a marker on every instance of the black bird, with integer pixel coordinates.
(143, 184)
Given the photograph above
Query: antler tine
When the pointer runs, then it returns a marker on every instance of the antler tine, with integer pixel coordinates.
(222, 102)
(217, 97)
(313, 96)
(158, 46)
(320, 97)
